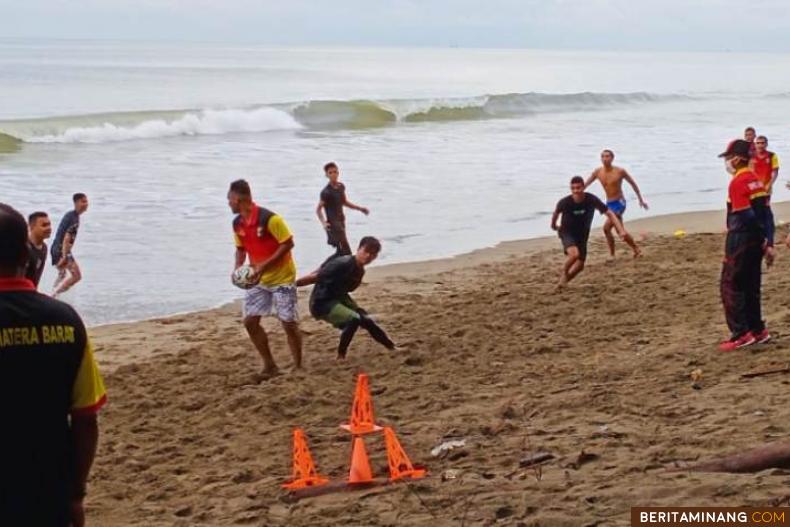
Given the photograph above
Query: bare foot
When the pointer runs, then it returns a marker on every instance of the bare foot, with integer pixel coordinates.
(266, 374)
(297, 373)
(637, 254)
(254, 379)
(340, 358)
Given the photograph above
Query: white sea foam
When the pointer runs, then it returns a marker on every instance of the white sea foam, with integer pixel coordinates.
(208, 122)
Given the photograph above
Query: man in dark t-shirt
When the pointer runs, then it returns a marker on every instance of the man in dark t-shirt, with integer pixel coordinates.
(50, 393)
(330, 300)
(330, 213)
(62, 257)
(333, 200)
(577, 212)
(39, 229)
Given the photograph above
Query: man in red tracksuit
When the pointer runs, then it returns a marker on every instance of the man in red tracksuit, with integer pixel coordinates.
(750, 237)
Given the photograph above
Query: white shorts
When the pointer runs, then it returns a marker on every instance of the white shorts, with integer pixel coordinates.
(263, 301)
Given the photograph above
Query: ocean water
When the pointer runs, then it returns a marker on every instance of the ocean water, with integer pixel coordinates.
(451, 149)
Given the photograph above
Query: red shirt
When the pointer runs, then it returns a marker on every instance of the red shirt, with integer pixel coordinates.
(261, 241)
(743, 188)
(763, 167)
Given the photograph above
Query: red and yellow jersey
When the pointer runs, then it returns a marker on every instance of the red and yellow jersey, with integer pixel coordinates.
(260, 236)
(744, 187)
(764, 166)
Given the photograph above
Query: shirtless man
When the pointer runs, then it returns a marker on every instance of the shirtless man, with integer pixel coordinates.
(611, 177)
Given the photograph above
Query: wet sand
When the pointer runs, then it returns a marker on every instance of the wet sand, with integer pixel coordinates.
(493, 356)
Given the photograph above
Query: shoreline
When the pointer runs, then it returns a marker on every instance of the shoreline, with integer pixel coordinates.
(419, 278)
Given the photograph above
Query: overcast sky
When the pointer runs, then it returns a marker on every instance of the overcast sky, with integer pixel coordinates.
(753, 25)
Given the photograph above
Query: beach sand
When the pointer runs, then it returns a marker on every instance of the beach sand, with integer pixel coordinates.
(494, 357)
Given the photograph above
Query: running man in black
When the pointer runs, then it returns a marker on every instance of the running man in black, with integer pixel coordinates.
(50, 394)
(39, 229)
(62, 257)
(330, 300)
(577, 212)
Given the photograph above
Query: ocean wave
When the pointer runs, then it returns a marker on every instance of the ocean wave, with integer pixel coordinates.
(207, 122)
(8, 144)
(370, 114)
(317, 115)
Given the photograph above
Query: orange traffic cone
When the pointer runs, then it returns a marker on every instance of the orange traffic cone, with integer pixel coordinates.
(304, 472)
(360, 465)
(400, 465)
(362, 421)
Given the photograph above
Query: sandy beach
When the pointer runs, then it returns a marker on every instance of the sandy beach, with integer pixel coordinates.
(597, 375)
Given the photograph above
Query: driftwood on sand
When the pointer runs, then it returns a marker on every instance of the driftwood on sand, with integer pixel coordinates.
(774, 455)
(754, 374)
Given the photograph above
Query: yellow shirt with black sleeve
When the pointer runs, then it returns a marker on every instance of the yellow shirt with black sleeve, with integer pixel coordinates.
(48, 376)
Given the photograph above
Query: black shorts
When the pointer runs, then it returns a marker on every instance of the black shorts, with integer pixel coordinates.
(336, 237)
(569, 240)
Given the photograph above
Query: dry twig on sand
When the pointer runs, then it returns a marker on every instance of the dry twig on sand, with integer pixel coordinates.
(753, 374)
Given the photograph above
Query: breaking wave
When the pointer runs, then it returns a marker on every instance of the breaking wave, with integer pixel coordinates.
(311, 115)
(149, 125)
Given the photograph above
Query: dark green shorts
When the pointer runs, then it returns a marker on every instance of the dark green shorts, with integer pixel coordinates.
(342, 313)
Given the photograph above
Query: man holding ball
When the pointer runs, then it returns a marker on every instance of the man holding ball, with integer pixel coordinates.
(264, 236)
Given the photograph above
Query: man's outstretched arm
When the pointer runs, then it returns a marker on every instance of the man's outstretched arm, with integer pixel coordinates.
(554, 218)
(627, 177)
(591, 179)
(354, 206)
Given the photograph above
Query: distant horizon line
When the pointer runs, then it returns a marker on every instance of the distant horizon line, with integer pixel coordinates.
(339, 46)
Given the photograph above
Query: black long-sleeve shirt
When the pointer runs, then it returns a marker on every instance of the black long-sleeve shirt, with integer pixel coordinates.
(336, 279)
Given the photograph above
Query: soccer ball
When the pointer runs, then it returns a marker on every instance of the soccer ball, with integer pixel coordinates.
(242, 277)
